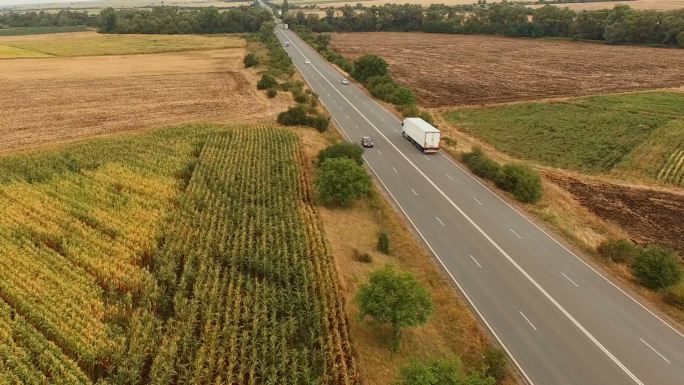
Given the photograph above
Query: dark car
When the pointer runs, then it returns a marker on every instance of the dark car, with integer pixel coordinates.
(366, 141)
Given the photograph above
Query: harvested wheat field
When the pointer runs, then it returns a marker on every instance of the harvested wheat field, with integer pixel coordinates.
(59, 99)
(447, 70)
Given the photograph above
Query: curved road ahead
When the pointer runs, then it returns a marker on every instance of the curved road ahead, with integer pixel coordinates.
(560, 320)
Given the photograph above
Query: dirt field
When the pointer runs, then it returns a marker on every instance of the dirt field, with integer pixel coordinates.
(59, 99)
(647, 215)
(467, 70)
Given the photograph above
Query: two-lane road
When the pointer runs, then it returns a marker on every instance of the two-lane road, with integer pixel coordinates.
(560, 320)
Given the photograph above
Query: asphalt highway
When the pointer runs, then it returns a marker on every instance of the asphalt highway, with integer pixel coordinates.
(559, 319)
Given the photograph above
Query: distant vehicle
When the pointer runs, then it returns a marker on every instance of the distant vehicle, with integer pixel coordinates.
(367, 142)
(307, 61)
(287, 44)
(345, 81)
(285, 26)
(422, 134)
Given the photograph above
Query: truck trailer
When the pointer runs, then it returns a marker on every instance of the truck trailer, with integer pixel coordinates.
(422, 134)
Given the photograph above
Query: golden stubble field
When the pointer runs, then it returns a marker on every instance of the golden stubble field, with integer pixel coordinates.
(448, 70)
(52, 100)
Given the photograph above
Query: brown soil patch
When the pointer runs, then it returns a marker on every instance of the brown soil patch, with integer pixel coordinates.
(458, 70)
(55, 100)
(647, 215)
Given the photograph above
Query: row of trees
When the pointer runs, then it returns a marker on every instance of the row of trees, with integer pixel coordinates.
(172, 20)
(621, 25)
(62, 18)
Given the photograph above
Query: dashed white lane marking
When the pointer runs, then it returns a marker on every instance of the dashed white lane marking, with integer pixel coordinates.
(395, 170)
(568, 278)
(528, 321)
(516, 234)
(449, 176)
(426, 157)
(440, 221)
(655, 351)
(379, 152)
(414, 191)
(478, 201)
(356, 125)
(476, 262)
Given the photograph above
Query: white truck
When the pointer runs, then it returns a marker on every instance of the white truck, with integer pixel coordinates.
(421, 133)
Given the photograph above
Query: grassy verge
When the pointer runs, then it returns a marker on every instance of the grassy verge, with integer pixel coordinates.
(635, 134)
(353, 235)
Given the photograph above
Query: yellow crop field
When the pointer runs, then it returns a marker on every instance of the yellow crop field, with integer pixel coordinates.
(94, 44)
(7, 51)
(188, 254)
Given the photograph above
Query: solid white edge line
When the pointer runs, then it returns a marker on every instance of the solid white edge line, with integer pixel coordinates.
(655, 351)
(585, 263)
(486, 236)
(528, 321)
(476, 262)
(568, 278)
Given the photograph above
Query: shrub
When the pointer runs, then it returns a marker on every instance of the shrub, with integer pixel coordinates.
(319, 122)
(341, 181)
(342, 150)
(674, 295)
(294, 116)
(402, 95)
(362, 257)
(618, 250)
(394, 298)
(657, 267)
(250, 60)
(495, 364)
(520, 180)
(271, 92)
(267, 81)
(448, 141)
(481, 164)
(440, 372)
(368, 66)
(300, 97)
(383, 242)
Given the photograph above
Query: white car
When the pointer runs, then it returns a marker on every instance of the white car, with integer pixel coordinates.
(307, 61)
(345, 81)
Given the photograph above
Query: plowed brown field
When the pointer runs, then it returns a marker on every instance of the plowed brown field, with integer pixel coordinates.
(448, 70)
(58, 99)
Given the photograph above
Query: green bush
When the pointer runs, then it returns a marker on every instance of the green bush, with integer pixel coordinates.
(271, 92)
(363, 257)
(439, 372)
(402, 96)
(250, 60)
(392, 297)
(521, 181)
(294, 116)
(383, 242)
(481, 164)
(657, 267)
(267, 81)
(319, 122)
(618, 250)
(342, 150)
(300, 97)
(674, 295)
(368, 66)
(495, 364)
(341, 181)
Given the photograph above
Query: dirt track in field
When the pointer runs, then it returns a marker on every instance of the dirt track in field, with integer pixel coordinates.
(56, 100)
(447, 70)
(647, 215)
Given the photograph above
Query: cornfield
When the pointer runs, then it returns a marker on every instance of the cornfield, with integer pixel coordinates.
(191, 255)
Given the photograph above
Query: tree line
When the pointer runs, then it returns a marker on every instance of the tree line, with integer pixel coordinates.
(63, 18)
(620, 25)
(172, 20)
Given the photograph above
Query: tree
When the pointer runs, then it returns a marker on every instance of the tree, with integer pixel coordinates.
(267, 81)
(441, 372)
(342, 150)
(394, 298)
(283, 9)
(108, 20)
(341, 181)
(657, 267)
(368, 66)
(250, 60)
